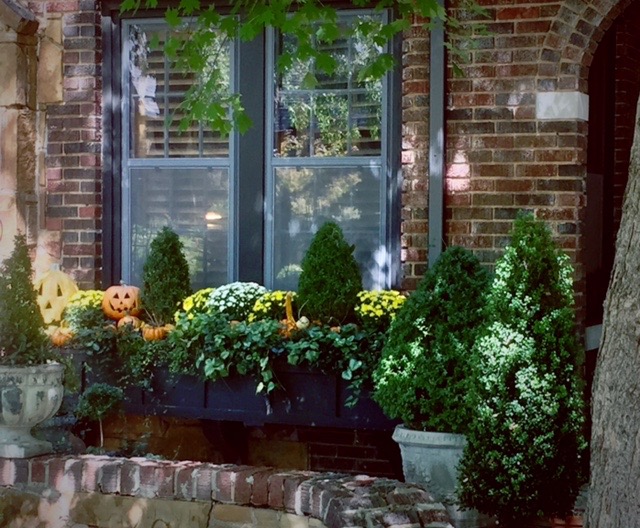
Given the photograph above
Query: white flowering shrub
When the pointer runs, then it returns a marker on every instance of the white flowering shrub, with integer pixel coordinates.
(235, 300)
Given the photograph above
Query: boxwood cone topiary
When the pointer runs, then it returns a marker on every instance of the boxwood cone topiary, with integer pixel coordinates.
(165, 277)
(522, 458)
(330, 279)
(22, 337)
(425, 370)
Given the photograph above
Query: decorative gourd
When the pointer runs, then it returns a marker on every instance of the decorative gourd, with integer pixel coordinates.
(121, 300)
(54, 289)
(61, 336)
(302, 323)
(129, 320)
(289, 323)
(154, 333)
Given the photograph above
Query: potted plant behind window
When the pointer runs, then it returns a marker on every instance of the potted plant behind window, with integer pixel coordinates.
(424, 374)
(522, 459)
(31, 381)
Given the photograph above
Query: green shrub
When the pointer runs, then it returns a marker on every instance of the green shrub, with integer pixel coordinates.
(84, 310)
(523, 453)
(22, 337)
(98, 402)
(424, 374)
(330, 279)
(165, 277)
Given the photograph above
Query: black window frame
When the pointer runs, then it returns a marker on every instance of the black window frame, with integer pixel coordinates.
(249, 221)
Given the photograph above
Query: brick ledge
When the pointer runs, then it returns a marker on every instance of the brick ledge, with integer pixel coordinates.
(337, 500)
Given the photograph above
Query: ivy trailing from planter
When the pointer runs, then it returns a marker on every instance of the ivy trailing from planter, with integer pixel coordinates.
(523, 453)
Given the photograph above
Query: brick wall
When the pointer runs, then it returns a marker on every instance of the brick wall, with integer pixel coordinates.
(98, 491)
(627, 88)
(501, 158)
(72, 143)
(415, 157)
(282, 446)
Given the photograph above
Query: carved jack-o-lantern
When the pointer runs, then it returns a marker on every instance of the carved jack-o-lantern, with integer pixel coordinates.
(54, 290)
(121, 300)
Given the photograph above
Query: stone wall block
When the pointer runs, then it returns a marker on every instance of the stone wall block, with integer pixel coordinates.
(50, 80)
(13, 81)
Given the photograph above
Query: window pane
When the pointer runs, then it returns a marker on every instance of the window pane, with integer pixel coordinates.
(156, 89)
(340, 115)
(305, 198)
(194, 202)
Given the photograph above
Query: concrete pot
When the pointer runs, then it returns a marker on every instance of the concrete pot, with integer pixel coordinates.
(431, 459)
(28, 395)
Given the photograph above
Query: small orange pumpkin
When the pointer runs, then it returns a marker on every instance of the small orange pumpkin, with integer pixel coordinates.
(121, 300)
(61, 336)
(154, 333)
(129, 320)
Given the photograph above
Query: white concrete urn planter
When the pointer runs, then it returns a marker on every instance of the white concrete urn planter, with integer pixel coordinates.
(28, 395)
(431, 459)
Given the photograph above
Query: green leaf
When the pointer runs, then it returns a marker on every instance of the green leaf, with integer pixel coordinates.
(129, 5)
(172, 17)
(189, 6)
(309, 81)
(326, 63)
(243, 121)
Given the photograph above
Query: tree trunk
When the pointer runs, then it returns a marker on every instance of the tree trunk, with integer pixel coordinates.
(614, 500)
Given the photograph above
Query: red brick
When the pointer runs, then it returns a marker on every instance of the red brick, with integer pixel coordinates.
(276, 490)
(39, 469)
(204, 476)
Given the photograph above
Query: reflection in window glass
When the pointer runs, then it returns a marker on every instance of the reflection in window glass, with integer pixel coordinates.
(194, 202)
(339, 115)
(305, 198)
(330, 158)
(155, 92)
(191, 194)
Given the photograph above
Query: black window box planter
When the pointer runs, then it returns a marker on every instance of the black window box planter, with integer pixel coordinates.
(306, 398)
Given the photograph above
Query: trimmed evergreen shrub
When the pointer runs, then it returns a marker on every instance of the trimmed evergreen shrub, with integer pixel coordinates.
(330, 279)
(166, 280)
(424, 374)
(523, 453)
(22, 337)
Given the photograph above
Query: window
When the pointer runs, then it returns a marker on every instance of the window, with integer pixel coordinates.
(246, 207)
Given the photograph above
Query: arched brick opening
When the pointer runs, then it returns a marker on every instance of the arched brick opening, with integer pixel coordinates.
(503, 153)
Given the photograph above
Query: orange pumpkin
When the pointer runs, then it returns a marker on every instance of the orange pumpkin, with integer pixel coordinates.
(129, 320)
(61, 336)
(54, 288)
(120, 301)
(154, 333)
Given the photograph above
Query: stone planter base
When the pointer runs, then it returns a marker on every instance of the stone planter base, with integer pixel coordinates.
(431, 459)
(573, 521)
(28, 395)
